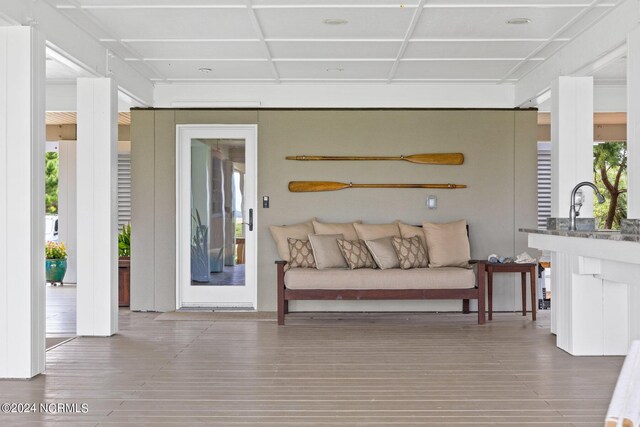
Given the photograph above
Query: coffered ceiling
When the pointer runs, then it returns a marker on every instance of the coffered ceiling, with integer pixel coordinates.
(285, 41)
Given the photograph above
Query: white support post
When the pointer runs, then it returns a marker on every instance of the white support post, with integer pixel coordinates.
(571, 143)
(633, 124)
(97, 159)
(22, 147)
(67, 218)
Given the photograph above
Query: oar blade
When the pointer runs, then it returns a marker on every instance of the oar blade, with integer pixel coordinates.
(436, 158)
(310, 186)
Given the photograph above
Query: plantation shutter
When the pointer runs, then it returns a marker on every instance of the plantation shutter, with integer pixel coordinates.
(544, 183)
(124, 189)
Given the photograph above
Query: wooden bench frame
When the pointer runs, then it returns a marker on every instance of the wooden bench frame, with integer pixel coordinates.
(285, 295)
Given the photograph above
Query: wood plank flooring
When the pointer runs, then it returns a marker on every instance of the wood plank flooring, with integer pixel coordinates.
(322, 369)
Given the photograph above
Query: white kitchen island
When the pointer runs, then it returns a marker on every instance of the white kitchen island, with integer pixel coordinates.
(595, 309)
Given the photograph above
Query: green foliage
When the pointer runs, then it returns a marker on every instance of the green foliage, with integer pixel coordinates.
(610, 176)
(51, 182)
(55, 250)
(124, 241)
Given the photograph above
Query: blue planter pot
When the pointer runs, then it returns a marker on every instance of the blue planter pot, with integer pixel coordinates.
(55, 270)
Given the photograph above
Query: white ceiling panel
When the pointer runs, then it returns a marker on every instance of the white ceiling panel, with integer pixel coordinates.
(220, 69)
(471, 70)
(342, 49)
(377, 23)
(616, 72)
(176, 23)
(513, 3)
(491, 22)
(328, 3)
(330, 70)
(58, 71)
(198, 49)
(472, 49)
(523, 69)
(146, 3)
(585, 21)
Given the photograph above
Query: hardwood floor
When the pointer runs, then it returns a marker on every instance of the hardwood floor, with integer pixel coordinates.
(322, 369)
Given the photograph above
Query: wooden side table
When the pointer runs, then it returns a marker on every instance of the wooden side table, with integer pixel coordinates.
(523, 269)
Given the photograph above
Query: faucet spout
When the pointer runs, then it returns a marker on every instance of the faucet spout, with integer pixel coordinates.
(573, 212)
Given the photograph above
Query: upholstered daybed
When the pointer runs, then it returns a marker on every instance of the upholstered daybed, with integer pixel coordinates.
(300, 278)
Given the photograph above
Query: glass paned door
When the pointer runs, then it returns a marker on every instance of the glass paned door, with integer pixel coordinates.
(218, 242)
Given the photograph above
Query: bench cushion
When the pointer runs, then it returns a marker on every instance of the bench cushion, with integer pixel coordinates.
(416, 278)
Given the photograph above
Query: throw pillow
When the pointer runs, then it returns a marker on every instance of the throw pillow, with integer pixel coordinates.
(346, 229)
(301, 254)
(407, 231)
(383, 253)
(448, 244)
(411, 253)
(281, 233)
(356, 254)
(326, 251)
(376, 231)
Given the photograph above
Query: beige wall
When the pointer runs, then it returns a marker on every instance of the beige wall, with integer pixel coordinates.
(499, 169)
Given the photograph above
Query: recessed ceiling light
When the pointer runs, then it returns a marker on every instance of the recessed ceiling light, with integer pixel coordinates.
(518, 21)
(205, 69)
(335, 21)
(335, 70)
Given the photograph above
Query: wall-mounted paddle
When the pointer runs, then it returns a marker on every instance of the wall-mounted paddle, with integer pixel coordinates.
(309, 186)
(423, 159)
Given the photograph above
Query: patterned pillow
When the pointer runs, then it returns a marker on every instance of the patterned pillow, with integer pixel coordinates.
(356, 254)
(301, 254)
(411, 252)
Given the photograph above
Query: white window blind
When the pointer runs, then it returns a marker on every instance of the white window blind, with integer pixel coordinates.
(124, 189)
(544, 183)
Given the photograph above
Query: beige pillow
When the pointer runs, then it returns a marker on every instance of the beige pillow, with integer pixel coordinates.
(448, 244)
(383, 253)
(376, 231)
(345, 229)
(281, 233)
(301, 254)
(326, 251)
(411, 253)
(356, 254)
(408, 231)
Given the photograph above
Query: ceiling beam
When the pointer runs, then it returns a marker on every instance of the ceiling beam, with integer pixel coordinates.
(405, 42)
(553, 38)
(602, 38)
(258, 29)
(69, 40)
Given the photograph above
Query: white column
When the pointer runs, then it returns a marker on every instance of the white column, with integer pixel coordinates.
(67, 218)
(633, 124)
(97, 158)
(571, 142)
(22, 147)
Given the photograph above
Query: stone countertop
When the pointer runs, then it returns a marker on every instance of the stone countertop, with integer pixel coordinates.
(605, 235)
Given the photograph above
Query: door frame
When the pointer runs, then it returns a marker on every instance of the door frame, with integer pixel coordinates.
(187, 132)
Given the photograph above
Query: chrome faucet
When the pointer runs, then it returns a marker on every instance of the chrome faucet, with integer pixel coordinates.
(575, 212)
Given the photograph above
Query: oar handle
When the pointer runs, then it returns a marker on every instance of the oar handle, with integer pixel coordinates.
(343, 158)
(447, 186)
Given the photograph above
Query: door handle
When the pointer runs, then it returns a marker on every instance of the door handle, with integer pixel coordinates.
(250, 223)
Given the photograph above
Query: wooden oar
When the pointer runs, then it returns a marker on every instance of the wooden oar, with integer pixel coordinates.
(307, 186)
(424, 159)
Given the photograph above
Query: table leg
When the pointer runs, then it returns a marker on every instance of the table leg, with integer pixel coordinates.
(523, 280)
(490, 290)
(533, 293)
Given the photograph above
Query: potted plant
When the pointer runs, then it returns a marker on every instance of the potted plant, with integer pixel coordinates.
(56, 262)
(124, 266)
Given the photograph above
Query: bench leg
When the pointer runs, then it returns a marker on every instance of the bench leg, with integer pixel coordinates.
(283, 305)
(523, 279)
(465, 306)
(533, 293)
(481, 295)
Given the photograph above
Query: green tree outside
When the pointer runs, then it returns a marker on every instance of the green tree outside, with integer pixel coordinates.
(610, 176)
(51, 183)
